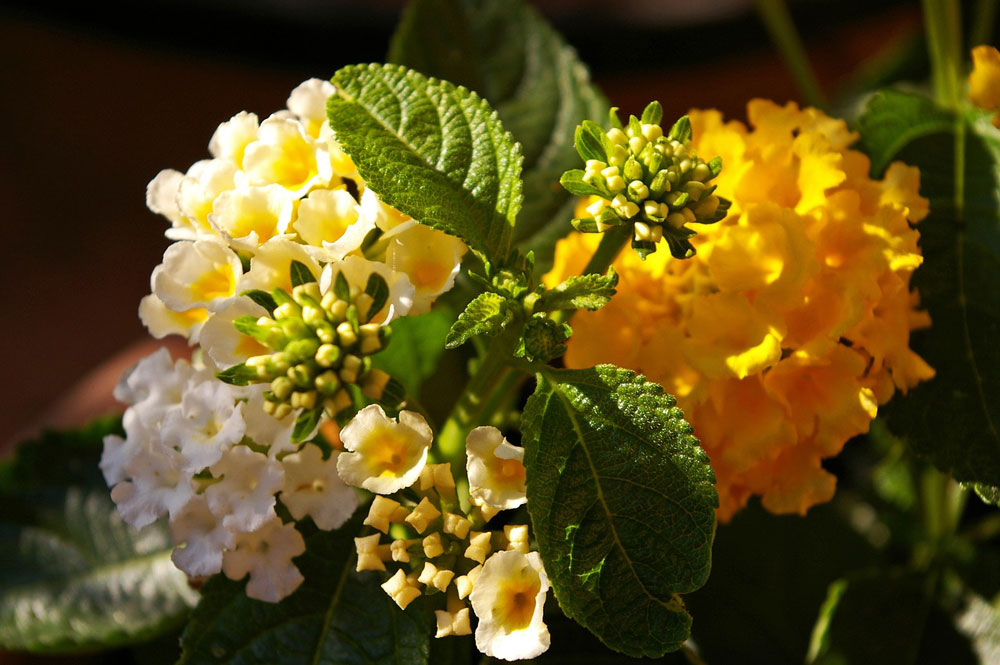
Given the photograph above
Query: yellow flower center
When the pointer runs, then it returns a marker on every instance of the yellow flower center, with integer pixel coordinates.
(510, 471)
(516, 600)
(429, 275)
(296, 165)
(387, 453)
(216, 283)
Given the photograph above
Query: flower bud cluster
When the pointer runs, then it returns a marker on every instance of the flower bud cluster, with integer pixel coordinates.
(319, 347)
(641, 176)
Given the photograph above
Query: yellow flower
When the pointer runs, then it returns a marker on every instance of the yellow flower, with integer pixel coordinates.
(791, 324)
(984, 81)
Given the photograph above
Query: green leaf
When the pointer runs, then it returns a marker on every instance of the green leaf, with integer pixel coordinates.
(591, 291)
(589, 145)
(415, 347)
(574, 183)
(987, 493)
(622, 501)
(435, 151)
(378, 289)
(301, 274)
(681, 130)
(237, 375)
(337, 617)
(509, 54)
(652, 114)
(954, 419)
(73, 576)
(487, 314)
(305, 423)
(262, 298)
(871, 618)
(893, 119)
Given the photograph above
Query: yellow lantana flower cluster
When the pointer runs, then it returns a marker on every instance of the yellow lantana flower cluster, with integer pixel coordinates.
(984, 81)
(791, 324)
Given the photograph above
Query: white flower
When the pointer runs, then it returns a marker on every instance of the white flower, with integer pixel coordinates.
(330, 218)
(508, 597)
(222, 342)
(208, 422)
(197, 192)
(386, 455)
(245, 495)
(161, 197)
(312, 487)
(271, 266)
(495, 468)
(285, 155)
(155, 380)
(430, 258)
(308, 103)
(250, 216)
(159, 485)
(266, 554)
(161, 321)
(201, 537)
(265, 429)
(232, 137)
(203, 273)
(357, 270)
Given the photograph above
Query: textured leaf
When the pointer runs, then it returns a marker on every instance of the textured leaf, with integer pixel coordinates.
(622, 501)
(894, 119)
(487, 314)
(337, 617)
(73, 576)
(591, 291)
(435, 151)
(510, 55)
(954, 419)
(415, 347)
(871, 618)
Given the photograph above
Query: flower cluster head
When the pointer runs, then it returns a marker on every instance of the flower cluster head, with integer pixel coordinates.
(638, 176)
(791, 325)
(425, 544)
(984, 81)
(284, 272)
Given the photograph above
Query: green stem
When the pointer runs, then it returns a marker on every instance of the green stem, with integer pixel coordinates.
(612, 243)
(779, 24)
(983, 23)
(942, 20)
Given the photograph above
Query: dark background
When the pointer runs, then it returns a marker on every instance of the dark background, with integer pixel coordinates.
(96, 99)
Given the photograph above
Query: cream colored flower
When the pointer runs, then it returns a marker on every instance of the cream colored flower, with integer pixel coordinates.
(266, 554)
(203, 273)
(161, 321)
(508, 598)
(496, 472)
(430, 258)
(250, 216)
(312, 487)
(357, 270)
(232, 137)
(222, 342)
(330, 218)
(308, 103)
(271, 265)
(385, 455)
(285, 155)
(197, 191)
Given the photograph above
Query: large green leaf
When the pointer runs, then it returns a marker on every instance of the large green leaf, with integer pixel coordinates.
(622, 500)
(73, 576)
(435, 151)
(487, 314)
(953, 419)
(509, 54)
(337, 617)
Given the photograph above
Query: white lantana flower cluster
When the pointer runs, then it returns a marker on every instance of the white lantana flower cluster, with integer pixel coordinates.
(215, 445)
(204, 455)
(435, 547)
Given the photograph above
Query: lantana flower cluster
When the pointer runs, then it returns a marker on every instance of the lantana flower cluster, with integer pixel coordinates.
(284, 271)
(790, 326)
(426, 543)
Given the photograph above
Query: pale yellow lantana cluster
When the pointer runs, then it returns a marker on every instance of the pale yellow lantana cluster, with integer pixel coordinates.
(790, 326)
(427, 544)
(219, 459)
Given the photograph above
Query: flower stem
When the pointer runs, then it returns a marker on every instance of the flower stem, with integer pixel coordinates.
(612, 243)
(779, 24)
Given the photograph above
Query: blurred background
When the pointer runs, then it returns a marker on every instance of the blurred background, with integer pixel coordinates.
(98, 97)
